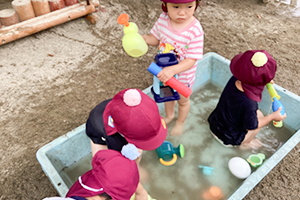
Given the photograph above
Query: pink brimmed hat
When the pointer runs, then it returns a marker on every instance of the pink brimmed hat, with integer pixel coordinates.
(136, 117)
(112, 173)
(175, 1)
(254, 68)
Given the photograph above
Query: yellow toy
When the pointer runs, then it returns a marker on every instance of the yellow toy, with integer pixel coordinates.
(275, 103)
(133, 43)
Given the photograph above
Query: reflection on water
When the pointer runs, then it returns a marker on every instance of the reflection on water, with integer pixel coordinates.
(184, 180)
(71, 173)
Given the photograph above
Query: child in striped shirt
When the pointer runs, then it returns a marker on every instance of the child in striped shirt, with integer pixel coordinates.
(178, 31)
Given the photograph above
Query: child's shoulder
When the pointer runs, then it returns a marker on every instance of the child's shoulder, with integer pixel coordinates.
(197, 23)
(196, 28)
(163, 16)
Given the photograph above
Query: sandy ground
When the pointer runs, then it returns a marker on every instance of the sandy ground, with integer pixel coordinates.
(51, 80)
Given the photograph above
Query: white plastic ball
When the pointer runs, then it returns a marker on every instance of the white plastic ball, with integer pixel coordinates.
(239, 167)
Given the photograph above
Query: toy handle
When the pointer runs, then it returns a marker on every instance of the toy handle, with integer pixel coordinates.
(272, 91)
(172, 82)
(169, 163)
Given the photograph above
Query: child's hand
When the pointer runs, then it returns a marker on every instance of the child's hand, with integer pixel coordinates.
(150, 40)
(277, 116)
(165, 74)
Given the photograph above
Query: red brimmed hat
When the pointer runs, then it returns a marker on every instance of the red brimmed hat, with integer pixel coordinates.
(136, 117)
(112, 173)
(175, 1)
(254, 68)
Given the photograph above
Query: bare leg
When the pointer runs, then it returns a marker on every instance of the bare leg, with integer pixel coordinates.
(183, 111)
(143, 172)
(138, 160)
(140, 192)
(170, 111)
(249, 141)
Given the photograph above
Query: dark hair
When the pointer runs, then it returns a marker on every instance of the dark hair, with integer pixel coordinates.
(164, 8)
(105, 196)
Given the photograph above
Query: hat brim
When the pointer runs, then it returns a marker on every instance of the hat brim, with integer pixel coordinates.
(88, 186)
(154, 142)
(233, 63)
(253, 92)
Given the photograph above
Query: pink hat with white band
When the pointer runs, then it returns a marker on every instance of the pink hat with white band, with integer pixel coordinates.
(112, 174)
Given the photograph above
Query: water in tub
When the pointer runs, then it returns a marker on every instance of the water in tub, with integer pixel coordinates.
(184, 179)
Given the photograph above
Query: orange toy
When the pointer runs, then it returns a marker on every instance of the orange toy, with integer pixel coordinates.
(214, 193)
(123, 19)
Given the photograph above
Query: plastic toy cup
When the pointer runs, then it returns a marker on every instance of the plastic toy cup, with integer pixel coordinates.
(133, 43)
(168, 154)
(206, 170)
(256, 160)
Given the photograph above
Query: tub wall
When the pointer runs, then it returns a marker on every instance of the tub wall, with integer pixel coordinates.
(74, 145)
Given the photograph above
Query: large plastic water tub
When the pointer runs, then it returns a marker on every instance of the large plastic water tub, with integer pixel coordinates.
(56, 156)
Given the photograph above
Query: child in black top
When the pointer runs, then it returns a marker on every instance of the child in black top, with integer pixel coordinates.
(236, 120)
(129, 117)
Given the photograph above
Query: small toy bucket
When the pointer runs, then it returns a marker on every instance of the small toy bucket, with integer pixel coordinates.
(256, 160)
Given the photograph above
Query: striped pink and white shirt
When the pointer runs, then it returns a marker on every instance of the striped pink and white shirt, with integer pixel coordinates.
(185, 43)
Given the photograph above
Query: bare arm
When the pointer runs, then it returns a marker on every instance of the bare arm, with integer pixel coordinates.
(276, 116)
(141, 193)
(96, 147)
(151, 40)
(169, 72)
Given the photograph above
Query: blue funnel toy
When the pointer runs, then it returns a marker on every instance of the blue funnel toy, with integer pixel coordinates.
(168, 154)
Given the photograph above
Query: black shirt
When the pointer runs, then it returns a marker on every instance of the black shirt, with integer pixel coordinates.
(96, 132)
(234, 115)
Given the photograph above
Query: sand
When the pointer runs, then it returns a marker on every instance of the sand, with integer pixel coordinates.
(51, 80)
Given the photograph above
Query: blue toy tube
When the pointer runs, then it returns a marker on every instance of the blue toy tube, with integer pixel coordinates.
(276, 104)
(154, 69)
(172, 82)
